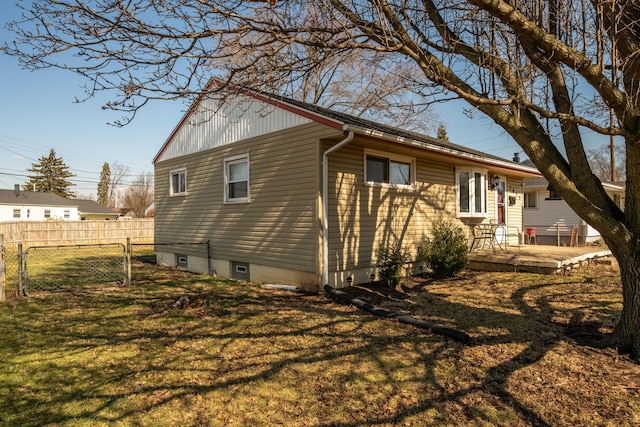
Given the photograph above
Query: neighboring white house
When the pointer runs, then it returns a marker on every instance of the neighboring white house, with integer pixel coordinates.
(553, 219)
(17, 205)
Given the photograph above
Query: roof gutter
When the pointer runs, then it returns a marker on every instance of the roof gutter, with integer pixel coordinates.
(325, 205)
(444, 151)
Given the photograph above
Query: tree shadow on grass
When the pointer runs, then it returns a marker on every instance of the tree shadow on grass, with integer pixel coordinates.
(537, 325)
(265, 357)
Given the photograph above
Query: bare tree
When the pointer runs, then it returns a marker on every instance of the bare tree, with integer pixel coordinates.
(600, 161)
(118, 173)
(542, 70)
(139, 195)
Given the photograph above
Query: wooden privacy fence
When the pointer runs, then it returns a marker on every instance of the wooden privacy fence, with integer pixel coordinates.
(76, 232)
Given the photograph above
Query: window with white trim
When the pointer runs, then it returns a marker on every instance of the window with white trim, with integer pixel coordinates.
(67, 214)
(471, 193)
(530, 199)
(47, 213)
(178, 182)
(236, 179)
(16, 213)
(389, 169)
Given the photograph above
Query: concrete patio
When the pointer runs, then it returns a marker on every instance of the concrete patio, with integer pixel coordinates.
(543, 259)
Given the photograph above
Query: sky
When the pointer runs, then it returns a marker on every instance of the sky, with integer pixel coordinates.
(38, 112)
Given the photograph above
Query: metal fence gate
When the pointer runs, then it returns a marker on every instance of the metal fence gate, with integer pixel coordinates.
(72, 267)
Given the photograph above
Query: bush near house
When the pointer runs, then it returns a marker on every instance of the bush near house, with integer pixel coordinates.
(390, 262)
(445, 251)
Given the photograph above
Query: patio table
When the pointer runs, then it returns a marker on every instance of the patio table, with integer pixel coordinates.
(483, 235)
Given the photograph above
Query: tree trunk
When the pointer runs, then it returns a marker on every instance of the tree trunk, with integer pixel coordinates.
(626, 335)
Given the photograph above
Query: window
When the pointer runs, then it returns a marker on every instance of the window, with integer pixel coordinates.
(178, 185)
(47, 213)
(471, 188)
(66, 214)
(28, 213)
(381, 168)
(531, 200)
(553, 195)
(236, 179)
(16, 213)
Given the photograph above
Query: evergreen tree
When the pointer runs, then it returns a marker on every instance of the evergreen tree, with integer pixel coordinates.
(103, 185)
(50, 175)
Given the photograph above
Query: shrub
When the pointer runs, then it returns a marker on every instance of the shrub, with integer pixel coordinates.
(445, 252)
(390, 263)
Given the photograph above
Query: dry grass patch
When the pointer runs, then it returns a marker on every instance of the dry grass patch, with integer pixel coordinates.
(178, 349)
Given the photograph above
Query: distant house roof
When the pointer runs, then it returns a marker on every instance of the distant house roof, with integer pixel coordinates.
(35, 198)
(93, 207)
(542, 183)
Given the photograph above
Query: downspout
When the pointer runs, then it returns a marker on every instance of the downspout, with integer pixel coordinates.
(325, 205)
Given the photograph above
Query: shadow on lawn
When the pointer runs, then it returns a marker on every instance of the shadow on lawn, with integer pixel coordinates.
(536, 326)
(120, 356)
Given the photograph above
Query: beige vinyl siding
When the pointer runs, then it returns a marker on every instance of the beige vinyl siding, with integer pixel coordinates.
(514, 213)
(363, 218)
(279, 227)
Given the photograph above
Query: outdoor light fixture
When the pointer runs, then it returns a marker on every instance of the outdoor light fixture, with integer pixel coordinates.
(495, 181)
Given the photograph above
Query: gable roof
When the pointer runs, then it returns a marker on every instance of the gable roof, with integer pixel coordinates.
(39, 198)
(345, 122)
(93, 207)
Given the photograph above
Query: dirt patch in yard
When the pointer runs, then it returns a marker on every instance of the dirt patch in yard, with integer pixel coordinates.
(535, 340)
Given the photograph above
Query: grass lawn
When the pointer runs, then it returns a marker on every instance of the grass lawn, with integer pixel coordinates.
(176, 349)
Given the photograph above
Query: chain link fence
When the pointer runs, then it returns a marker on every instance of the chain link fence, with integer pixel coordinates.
(73, 267)
(25, 270)
(9, 271)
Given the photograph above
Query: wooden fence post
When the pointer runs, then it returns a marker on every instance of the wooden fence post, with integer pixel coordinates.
(3, 279)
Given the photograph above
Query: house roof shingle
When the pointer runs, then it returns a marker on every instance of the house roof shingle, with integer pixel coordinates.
(93, 207)
(13, 197)
(41, 198)
(367, 126)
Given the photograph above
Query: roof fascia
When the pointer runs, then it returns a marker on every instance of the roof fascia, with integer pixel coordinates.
(521, 170)
(452, 153)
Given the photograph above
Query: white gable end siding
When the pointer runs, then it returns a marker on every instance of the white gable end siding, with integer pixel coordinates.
(238, 119)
